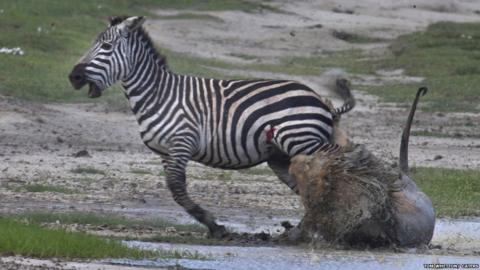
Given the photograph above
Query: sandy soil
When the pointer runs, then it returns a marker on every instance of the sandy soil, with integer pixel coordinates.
(39, 143)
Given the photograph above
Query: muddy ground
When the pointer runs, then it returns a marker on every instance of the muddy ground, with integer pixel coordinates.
(44, 143)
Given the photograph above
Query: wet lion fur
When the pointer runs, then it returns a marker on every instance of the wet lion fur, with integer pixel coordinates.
(344, 194)
(353, 197)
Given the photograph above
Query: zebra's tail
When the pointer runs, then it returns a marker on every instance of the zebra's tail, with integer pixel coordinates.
(335, 80)
(343, 90)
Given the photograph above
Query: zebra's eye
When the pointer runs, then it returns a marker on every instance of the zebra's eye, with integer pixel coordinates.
(106, 46)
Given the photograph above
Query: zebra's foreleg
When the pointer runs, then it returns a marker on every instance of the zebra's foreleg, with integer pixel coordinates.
(175, 165)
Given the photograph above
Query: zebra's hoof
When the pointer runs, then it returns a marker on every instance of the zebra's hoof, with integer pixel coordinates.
(219, 232)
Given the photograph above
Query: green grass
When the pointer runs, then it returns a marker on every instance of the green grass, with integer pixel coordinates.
(244, 56)
(55, 34)
(351, 61)
(454, 193)
(87, 170)
(191, 16)
(448, 56)
(141, 171)
(45, 188)
(355, 38)
(225, 175)
(198, 66)
(113, 221)
(31, 240)
(439, 134)
(105, 220)
(427, 133)
(215, 5)
(184, 239)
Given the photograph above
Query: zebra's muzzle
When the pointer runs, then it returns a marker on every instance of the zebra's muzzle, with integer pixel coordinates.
(77, 76)
(78, 80)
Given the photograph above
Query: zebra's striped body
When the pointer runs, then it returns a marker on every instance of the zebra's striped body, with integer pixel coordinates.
(227, 124)
(227, 121)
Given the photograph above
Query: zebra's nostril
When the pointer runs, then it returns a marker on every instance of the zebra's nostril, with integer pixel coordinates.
(77, 77)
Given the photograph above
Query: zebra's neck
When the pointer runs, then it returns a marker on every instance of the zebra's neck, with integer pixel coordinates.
(149, 78)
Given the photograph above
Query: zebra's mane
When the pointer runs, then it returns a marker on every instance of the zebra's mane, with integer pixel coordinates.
(161, 59)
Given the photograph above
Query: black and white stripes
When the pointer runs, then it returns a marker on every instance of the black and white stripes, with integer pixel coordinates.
(227, 124)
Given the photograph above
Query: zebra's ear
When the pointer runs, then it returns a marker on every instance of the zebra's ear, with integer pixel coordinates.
(131, 23)
(115, 20)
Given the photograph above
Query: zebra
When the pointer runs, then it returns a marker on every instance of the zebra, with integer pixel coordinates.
(228, 124)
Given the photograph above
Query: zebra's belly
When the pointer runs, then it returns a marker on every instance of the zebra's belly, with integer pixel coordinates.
(234, 157)
(236, 166)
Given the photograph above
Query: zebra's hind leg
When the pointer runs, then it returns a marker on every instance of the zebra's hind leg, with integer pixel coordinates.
(175, 170)
(280, 160)
(279, 165)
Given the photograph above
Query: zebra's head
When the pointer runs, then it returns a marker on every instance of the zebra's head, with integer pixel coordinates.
(107, 61)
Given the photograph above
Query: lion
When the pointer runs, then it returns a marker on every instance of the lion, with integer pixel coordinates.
(353, 197)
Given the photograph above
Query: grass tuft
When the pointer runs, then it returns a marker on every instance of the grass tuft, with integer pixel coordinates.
(355, 38)
(45, 188)
(87, 170)
(141, 171)
(454, 193)
(447, 55)
(105, 220)
(185, 239)
(53, 35)
(32, 240)
(216, 5)
(243, 56)
(191, 16)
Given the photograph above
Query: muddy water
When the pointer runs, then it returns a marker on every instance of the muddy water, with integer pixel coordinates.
(456, 237)
(290, 258)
